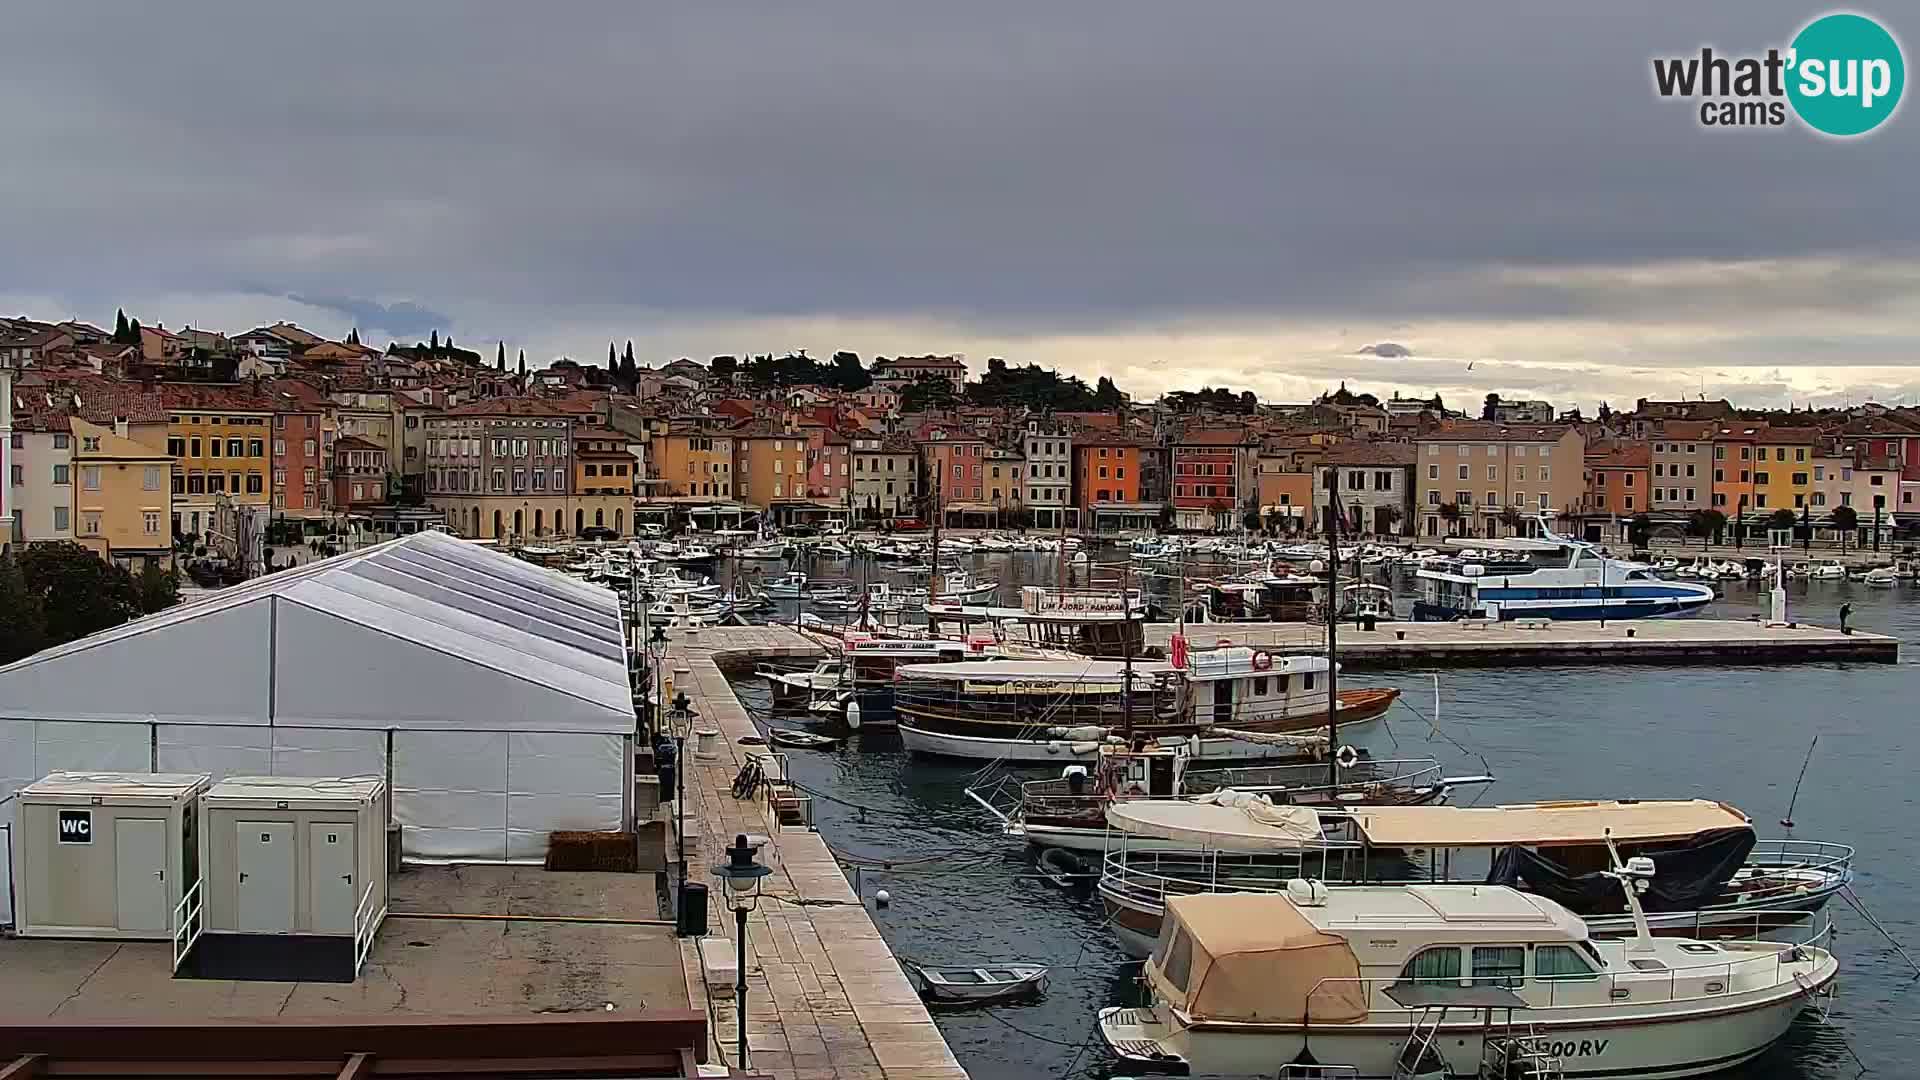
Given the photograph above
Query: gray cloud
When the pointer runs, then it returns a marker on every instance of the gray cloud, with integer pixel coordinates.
(1022, 172)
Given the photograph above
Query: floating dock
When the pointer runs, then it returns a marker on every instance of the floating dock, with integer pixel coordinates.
(826, 1000)
(1725, 642)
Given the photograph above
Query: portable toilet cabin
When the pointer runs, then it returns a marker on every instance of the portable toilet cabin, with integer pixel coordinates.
(296, 877)
(106, 854)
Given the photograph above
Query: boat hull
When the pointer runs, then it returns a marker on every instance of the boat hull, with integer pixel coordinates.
(1573, 610)
(929, 743)
(1658, 1041)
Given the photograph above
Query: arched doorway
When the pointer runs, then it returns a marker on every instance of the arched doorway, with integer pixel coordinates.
(600, 518)
(516, 522)
(539, 523)
(496, 523)
(579, 521)
(616, 523)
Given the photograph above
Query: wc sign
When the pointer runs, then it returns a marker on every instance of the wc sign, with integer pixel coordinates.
(76, 826)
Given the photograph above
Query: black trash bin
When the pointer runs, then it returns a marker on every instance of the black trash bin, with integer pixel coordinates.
(692, 916)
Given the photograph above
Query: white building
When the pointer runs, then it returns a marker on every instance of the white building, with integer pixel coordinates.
(1049, 472)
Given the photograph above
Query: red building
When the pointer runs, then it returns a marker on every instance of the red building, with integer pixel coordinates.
(359, 473)
(1214, 471)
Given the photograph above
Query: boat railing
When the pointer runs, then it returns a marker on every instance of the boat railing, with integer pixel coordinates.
(1149, 877)
(1761, 966)
(1386, 773)
(1788, 854)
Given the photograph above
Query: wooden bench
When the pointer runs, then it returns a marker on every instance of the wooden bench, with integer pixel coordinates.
(1533, 624)
(1474, 623)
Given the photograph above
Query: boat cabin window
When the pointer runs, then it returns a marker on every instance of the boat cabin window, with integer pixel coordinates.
(1643, 964)
(1306, 681)
(1280, 683)
(1499, 965)
(1561, 962)
(1175, 960)
(1260, 685)
(1436, 965)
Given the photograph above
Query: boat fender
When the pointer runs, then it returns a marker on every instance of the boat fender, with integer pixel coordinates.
(853, 716)
(882, 898)
(1262, 661)
(1347, 758)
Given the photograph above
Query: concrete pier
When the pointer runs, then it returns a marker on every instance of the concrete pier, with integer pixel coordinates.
(826, 1000)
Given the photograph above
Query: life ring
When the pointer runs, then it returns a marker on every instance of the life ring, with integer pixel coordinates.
(1347, 758)
(1262, 661)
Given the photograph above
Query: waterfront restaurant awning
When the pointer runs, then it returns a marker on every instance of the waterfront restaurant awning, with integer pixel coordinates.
(1543, 824)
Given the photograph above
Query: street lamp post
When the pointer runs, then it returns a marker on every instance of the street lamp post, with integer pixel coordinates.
(741, 875)
(683, 717)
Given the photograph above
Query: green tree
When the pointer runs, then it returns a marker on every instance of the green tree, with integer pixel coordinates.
(1511, 518)
(157, 589)
(928, 393)
(500, 357)
(1780, 519)
(1106, 396)
(523, 363)
(629, 371)
(1450, 513)
(1705, 524)
(1490, 409)
(724, 367)
(23, 622)
(1639, 530)
(133, 332)
(1394, 515)
(79, 592)
(849, 373)
(613, 362)
(120, 326)
(433, 342)
(353, 337)
(1845, 520)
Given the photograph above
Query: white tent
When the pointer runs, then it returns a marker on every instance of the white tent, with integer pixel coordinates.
(491, 694)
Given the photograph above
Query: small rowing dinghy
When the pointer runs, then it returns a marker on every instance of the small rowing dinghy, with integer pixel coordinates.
(801, 740)
(982, 983)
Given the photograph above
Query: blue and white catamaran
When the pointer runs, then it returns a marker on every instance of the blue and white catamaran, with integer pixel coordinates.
(1570, 579)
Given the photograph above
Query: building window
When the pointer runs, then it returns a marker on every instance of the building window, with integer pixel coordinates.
(256, 448)
(1463, 472)
(1433, 472)
(236, 447)
(59, 442)
(90, 523)
(255, 483)
(59, 519)
(151, 480)
(90, 477)
(152, 522)
(176, 446)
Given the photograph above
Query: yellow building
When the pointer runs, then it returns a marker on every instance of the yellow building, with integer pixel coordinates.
(1783, 468)
(769, 466)
(219, 438)
(602, 480)
(122, 494)
(695, 462)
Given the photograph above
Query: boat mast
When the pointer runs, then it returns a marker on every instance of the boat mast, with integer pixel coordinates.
(1333, 624)
(939, 511)
(1126, 653)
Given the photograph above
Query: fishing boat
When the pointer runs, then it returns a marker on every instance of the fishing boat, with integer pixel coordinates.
(826, 675)
(1717, 876)
(1453, 981)
(1361, 601)
(1585, 584)
(872, 663)
(1048, 711)
(1070, 811)
(795, 584)
(801, 740)
(977, 984)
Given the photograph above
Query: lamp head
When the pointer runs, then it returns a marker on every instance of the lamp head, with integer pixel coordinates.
(741, 873)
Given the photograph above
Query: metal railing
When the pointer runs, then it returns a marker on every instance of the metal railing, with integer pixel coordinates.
(366, 920)
(1147, 878)
(187, 924)
(1763, 968)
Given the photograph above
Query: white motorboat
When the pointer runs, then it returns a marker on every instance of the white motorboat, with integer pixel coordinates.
(1881, 577)
(688, 554)
(831, 549)
(1827, 570)
(796, 584)
(1456, 981)
(972, 984)
(826, 675)
(1583, 585)
(765, 552)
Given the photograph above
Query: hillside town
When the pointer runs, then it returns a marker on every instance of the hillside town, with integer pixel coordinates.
(144, 444)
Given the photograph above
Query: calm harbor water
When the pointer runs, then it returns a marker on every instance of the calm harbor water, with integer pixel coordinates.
(960, 893)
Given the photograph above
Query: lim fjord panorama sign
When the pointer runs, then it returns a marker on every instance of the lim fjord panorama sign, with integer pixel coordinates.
(1842, 76)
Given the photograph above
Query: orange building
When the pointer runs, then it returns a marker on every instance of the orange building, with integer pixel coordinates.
(1107, 483)
(1619, 480)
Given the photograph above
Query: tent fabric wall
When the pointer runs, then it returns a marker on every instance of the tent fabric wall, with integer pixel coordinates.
(501, 687)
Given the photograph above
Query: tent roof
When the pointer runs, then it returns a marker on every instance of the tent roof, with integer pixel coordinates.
(1254, 957)
(421, 631)
(1206, 825)
(1543, 824)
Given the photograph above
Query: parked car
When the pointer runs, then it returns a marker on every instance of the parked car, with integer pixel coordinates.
(598, 532)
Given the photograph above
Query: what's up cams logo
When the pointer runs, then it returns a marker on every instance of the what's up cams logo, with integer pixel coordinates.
(1842, 76)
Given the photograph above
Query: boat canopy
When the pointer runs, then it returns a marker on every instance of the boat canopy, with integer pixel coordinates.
(1017, 672)
(1543, 824)
(1254, 824)
(1254, 958)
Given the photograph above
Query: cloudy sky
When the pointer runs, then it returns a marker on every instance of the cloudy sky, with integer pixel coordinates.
(1173, 194)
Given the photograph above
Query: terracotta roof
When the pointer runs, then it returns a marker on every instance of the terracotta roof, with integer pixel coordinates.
(1381, 454)
(1482, 431)
(1622, 456)
(586, 432)
(1233, 436)
(513, 406)
(101, 401)
(1686, 429)
(355, 442)
(214, 397)
(1790, 435)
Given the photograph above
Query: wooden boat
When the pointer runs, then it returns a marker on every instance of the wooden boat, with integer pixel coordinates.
(973, 984)
(801, 740)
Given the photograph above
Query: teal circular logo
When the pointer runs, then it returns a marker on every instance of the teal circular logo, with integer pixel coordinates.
(1846, 74)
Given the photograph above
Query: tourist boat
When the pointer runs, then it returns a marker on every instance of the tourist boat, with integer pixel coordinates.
(1088, 622)
(1263, 596)
(1586, 585)
(1453, 981)
(1070, 810)
(1062, 711)
(977, 984)
(872, 663)
(801, 740)
(1717, 877)
(1882, 577)
(826, 675)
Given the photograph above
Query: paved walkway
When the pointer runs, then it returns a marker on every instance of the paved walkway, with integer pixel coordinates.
(825, 998)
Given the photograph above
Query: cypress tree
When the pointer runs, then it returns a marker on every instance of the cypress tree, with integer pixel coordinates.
(523, 363)
(433, 342)
(613, 366)
(133, 332)
(500, 358)
(120, 325)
